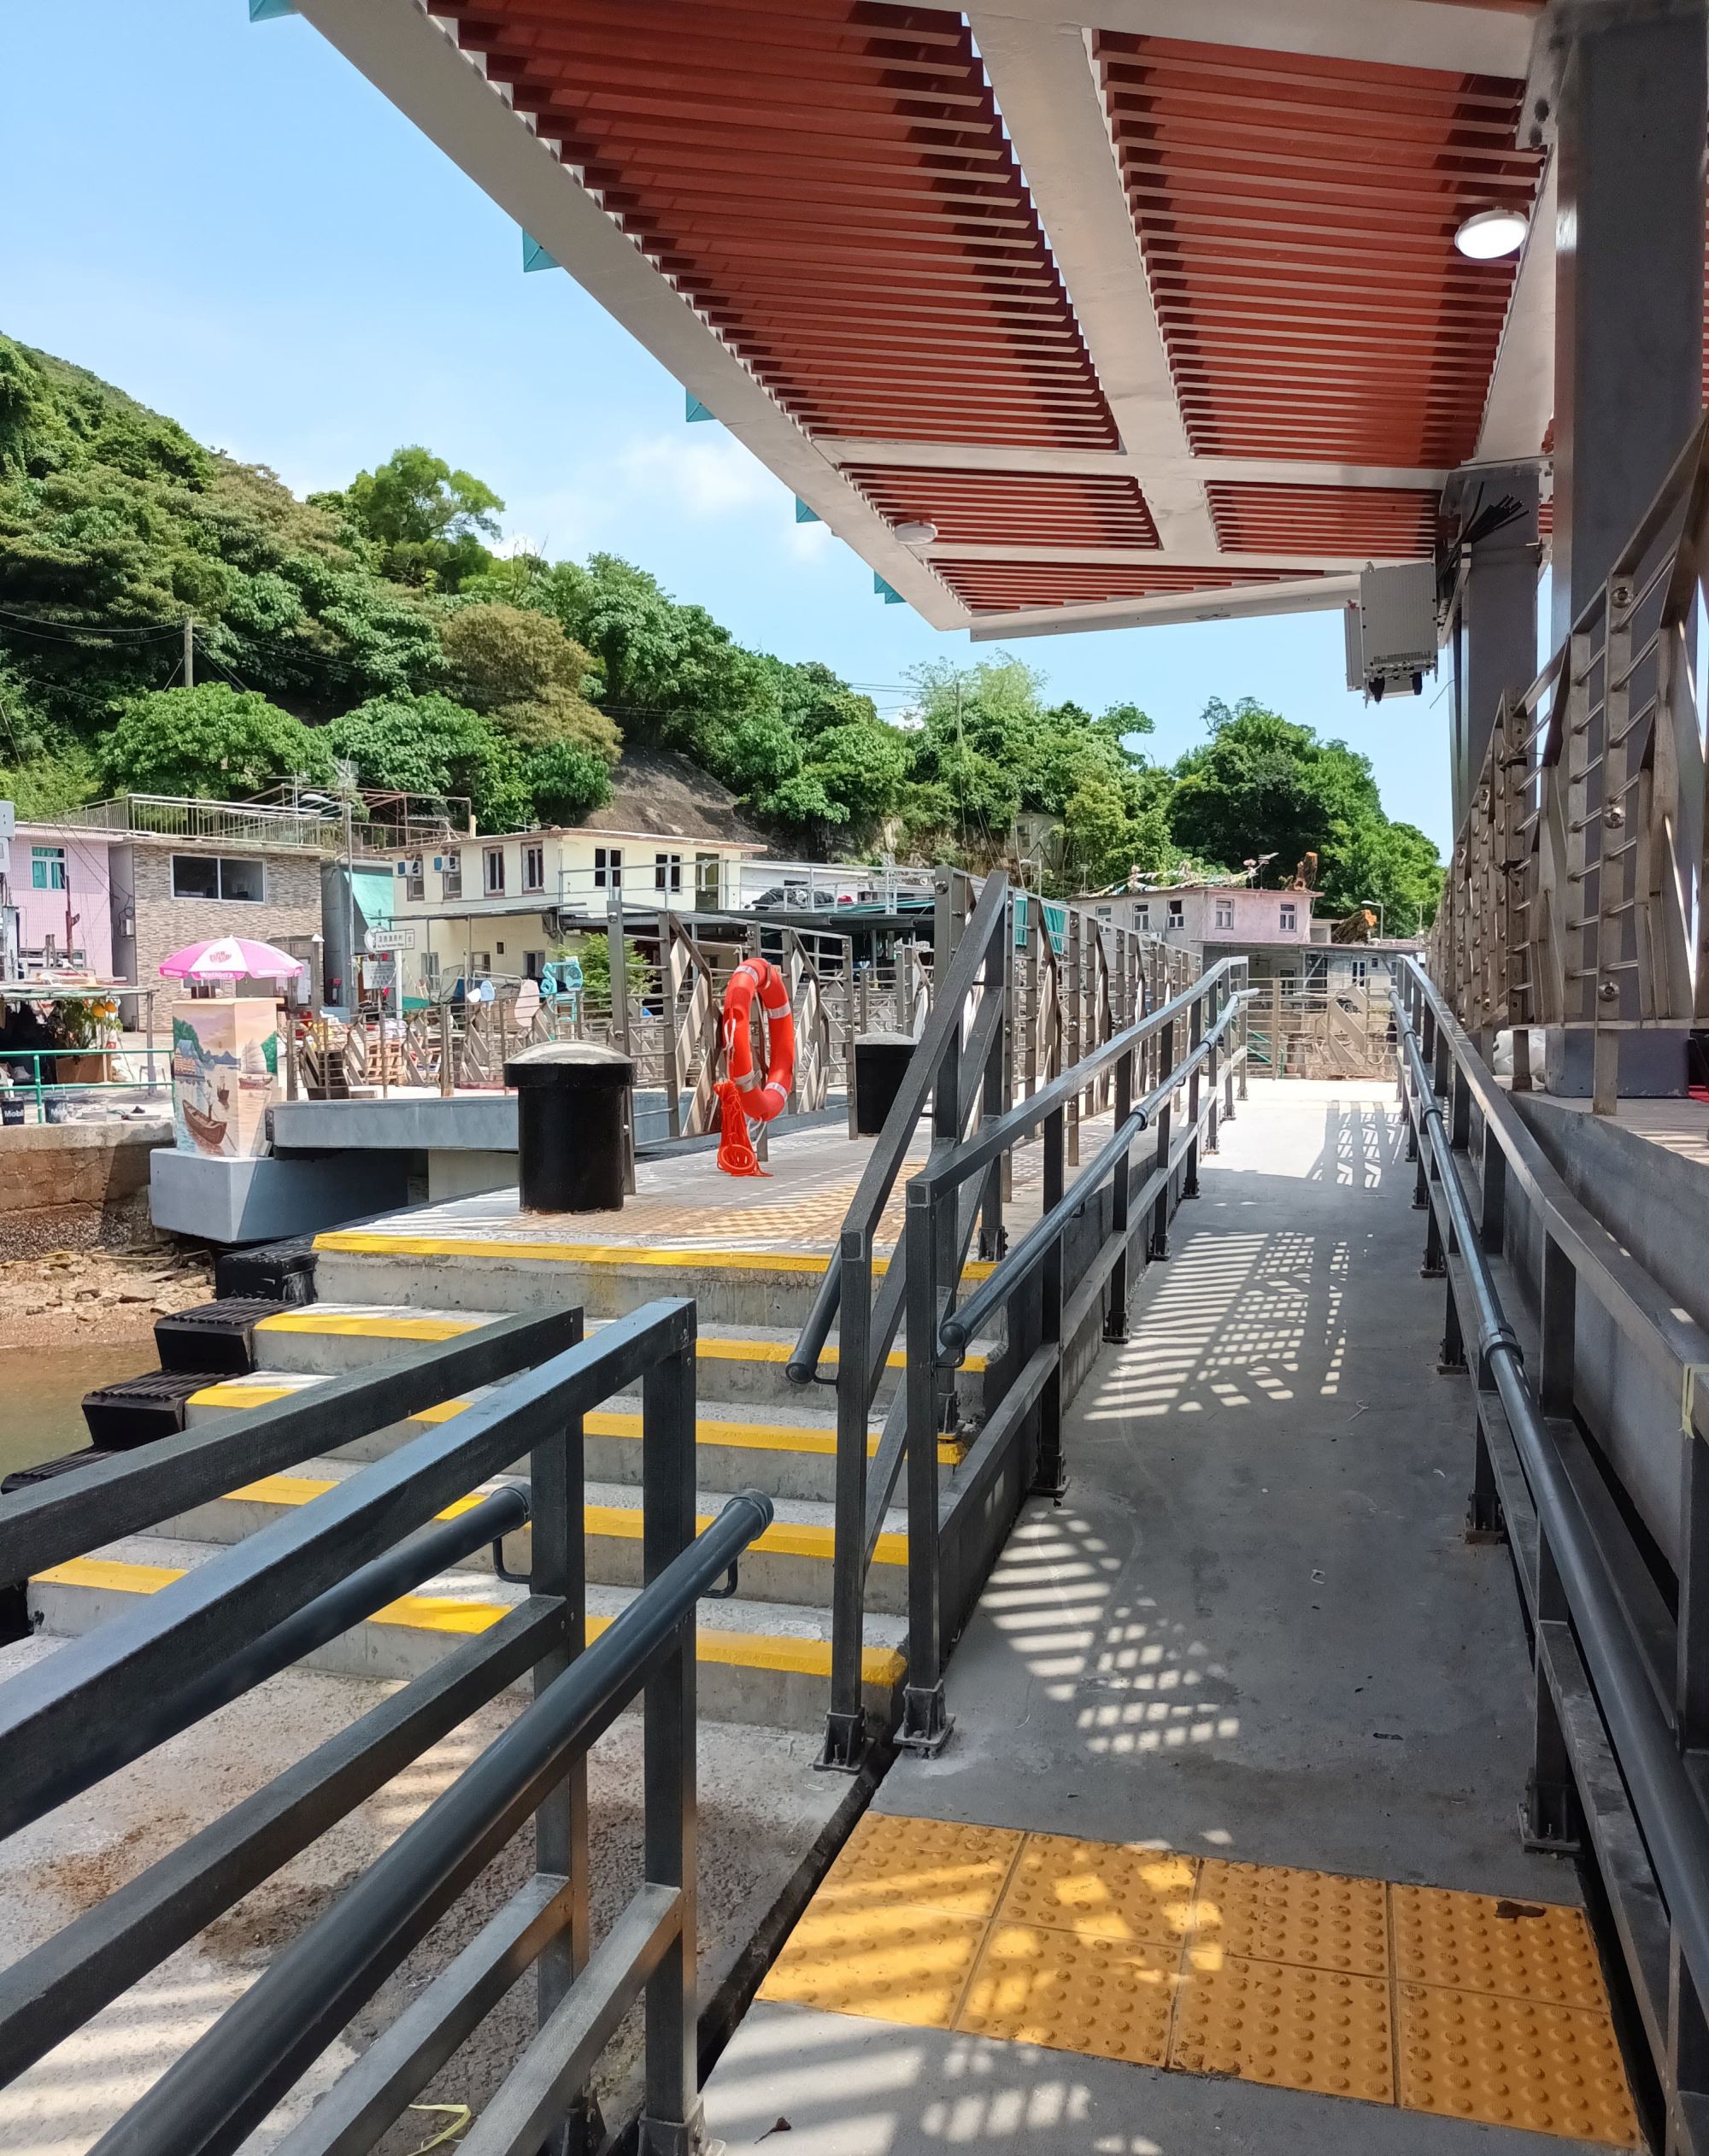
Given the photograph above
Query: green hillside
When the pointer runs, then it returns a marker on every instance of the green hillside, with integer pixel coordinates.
(375, 625)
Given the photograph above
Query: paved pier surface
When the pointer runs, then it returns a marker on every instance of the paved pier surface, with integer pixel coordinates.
(1248, 1715)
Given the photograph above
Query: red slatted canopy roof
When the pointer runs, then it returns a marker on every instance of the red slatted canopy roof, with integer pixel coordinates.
(838, 195)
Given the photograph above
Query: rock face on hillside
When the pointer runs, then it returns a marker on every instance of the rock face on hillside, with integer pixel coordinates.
(655, 790)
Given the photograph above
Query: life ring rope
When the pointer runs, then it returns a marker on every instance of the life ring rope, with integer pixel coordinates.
(743, 1097)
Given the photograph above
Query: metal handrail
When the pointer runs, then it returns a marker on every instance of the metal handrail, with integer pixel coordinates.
(1669, 1809)
(210, 1633)
(889, 1148)
(231, 2076)
(959, 1325)
(1669, 1340)
(1024, 1118)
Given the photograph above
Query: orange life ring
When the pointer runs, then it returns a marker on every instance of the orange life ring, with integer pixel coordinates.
(743, 1095)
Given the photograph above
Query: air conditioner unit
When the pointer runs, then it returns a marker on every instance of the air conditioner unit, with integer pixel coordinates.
(1391, 631)
(438, 864)
(404, 868)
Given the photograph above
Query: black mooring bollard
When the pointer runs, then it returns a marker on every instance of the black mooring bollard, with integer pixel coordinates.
(569, 1116)
(881, 1062)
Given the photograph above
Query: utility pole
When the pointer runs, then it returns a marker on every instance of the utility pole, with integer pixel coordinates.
(189, 653)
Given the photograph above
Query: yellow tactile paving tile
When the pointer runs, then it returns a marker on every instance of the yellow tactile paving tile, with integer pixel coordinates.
(1108, 1998)
(1478, 1942)
(908, 1965)
(1459, 2004)
(1294, 2028)
(1317, 1920)
(1101, 1890)
(1513, 2062)
(886, 1863)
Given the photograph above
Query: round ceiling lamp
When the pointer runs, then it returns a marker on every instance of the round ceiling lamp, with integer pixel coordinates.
(1492, 234)
(918, 533)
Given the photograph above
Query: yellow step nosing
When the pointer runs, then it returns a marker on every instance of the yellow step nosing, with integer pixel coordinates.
(356, 1242)
(616, 1523)
(366, 1325)
(776, 1437)
(444, 1613)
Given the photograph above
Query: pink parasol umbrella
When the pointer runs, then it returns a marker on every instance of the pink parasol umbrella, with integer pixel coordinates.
(229, 958)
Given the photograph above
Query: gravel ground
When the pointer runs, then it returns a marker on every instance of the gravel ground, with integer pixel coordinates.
(761, 1808)
(69, 1294)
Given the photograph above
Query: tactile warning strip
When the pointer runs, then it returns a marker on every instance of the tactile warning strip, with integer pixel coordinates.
(1462, 2005)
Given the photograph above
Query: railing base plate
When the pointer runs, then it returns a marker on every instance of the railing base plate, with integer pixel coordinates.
(1545, 1826)
(847, 1741)
(927, 1721)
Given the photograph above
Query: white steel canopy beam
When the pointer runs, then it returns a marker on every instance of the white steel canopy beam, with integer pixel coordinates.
(1048, 93)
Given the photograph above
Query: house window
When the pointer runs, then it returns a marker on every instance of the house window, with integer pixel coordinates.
(451, 876)
(1225, 912)
(1142, 918)
(480, 965)
(415, 883)
(494, 871)
(668, 871)
(430, 971)
(47, 868)
(232, 878)
(1105, 912)
(1358, 969)
(1178, 913)
(533, 965)
(533, 868)
(1289, 921)
(607, 868)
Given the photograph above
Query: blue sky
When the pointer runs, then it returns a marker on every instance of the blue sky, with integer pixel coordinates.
(225, 219)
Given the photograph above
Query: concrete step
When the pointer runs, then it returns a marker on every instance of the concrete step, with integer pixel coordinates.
(790, 1562)
(794, 1456)
(761, 1662)
(537, 1270)
(744, 1363)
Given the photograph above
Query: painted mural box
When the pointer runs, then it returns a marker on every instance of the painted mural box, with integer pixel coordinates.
(225, 1075)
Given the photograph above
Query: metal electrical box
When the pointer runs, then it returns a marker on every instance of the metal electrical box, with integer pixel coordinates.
(1391, 631)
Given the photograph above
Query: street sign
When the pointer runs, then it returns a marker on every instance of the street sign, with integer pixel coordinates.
(391, 939)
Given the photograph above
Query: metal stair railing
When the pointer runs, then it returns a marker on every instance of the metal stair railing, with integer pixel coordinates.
(219, 1630)
(1021, 1439)
(975, 974)
(1622, 1669)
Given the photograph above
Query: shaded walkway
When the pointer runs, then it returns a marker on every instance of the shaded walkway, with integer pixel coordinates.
(1253, 1631)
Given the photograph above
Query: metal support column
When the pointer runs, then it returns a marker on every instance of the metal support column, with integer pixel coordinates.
(1050, 1478)
(926, 1724)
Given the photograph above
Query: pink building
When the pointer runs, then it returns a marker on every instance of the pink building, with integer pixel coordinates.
(1213, 914)
(60, 871)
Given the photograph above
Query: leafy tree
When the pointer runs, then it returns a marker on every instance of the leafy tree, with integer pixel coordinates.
(566, 779)
(520, 667)
(211, 741)
(432, 745)
(426, 522)
(1262, 785)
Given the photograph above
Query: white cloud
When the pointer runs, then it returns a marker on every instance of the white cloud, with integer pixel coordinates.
(809, 541)
(706, 478)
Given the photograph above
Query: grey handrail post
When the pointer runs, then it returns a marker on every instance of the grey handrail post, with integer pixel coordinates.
(558, 1566)
(1049, 1477)
(1195, 1033)
(670, 2124)
(617, 960)
(845, 1725)
(996, 1093)
(1115, 1313)
(925, 1724)
(1159, 1248)
(1219, 997)
(1074, 1045)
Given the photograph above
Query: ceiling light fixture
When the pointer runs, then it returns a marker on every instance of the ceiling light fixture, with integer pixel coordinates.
(1492, 234)
(918, 533)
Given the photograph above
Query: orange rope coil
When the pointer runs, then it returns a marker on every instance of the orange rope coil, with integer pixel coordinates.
(743, 1094)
